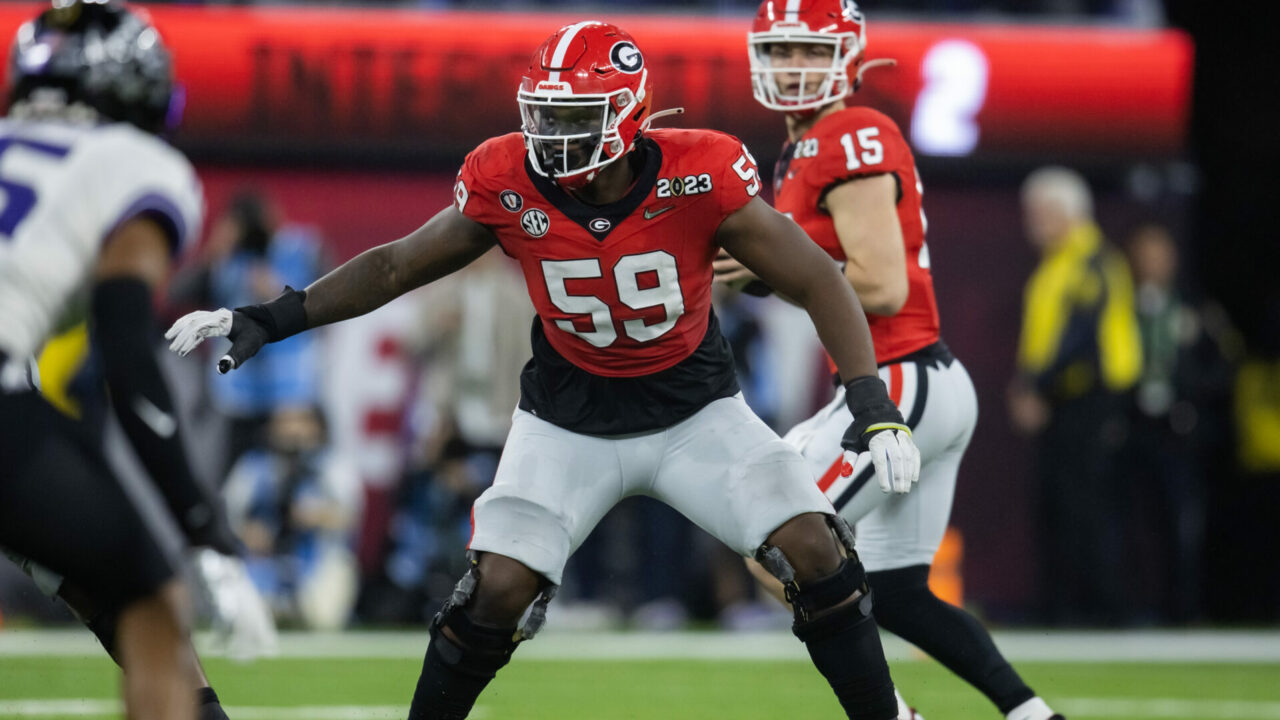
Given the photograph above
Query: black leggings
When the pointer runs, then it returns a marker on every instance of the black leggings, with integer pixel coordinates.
(62, 506)
(907, 608)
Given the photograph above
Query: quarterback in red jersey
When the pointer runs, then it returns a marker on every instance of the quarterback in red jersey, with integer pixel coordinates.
(847, 176)
(631, 388)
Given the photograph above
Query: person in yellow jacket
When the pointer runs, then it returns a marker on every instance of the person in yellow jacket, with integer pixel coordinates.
(1079, 353)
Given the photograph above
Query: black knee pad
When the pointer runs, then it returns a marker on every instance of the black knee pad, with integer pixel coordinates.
(815, 597)
(842, 619)
(480, 650)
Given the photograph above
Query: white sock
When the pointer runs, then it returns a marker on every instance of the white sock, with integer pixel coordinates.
(1033, 709)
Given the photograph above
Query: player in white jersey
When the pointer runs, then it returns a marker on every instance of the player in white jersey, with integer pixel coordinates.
(93, 206)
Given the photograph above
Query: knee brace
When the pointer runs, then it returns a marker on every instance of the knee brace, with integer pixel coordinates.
(466, 587)
(822, 594)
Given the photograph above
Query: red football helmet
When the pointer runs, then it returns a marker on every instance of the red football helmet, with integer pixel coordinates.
(584, 101)
(836, 24)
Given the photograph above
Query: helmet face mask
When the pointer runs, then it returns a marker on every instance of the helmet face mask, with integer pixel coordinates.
(568, 136)
(835, 32)
(583, 102)
(85, 55)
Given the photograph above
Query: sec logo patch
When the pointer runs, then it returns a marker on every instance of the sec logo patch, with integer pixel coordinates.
(535, 222)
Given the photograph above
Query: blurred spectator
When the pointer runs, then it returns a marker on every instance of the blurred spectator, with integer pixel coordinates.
(472, 338)
(295, 505)
(1078, 354)
(1177, 419)
(250, 254)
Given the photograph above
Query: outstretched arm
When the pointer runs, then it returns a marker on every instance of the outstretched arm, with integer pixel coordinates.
(447, 242)
(776, 250)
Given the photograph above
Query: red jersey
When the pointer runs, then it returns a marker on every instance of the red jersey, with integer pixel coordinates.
(622, 290)
(859, 142)
(625, 339)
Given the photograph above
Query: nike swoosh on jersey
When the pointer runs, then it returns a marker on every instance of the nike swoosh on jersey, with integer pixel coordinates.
(160, 422)
(651, 214)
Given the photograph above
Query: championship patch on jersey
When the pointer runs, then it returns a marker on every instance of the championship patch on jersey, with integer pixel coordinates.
(535, 222)
(511, 200)
(686, 185)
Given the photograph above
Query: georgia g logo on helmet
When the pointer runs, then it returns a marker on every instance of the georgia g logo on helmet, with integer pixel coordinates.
(626, 57)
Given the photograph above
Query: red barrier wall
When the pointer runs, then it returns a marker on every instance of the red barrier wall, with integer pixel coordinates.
(392, 85)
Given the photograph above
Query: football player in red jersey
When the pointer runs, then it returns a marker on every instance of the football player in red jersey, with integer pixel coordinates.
(631, 388)
(847, 176)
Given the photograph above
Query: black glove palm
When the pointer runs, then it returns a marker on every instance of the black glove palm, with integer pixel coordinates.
(253, 326)
(247, 337)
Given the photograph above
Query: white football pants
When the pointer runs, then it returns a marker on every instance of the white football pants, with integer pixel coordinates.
(722, 468)
(940, 406)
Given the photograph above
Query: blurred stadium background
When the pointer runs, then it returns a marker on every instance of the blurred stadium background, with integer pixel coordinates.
(351, 120)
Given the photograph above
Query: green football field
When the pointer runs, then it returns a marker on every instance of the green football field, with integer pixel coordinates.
(702, 680)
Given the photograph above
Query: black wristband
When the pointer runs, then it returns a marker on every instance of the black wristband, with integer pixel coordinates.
(872, 410)
(868, 392)
(282, 317)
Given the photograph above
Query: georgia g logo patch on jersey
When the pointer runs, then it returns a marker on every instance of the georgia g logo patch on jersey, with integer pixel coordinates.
(535, 222)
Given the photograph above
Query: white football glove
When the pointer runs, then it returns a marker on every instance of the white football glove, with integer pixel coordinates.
(895, 458)
(191, 329)
(242, 622)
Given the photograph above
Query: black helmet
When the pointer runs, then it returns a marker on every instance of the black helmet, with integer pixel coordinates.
(97, 53)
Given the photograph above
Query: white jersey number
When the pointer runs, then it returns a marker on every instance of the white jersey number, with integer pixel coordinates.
(872, 149)
(656, 271)
(745, 167)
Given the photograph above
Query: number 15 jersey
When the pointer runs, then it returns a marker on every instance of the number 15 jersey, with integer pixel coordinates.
(846, 145)
(624, 339)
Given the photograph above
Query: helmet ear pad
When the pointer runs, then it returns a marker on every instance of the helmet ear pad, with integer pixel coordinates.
(99, 55)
